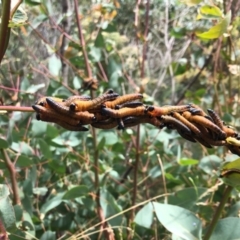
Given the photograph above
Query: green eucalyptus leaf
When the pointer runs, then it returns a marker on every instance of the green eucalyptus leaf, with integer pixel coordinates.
(144, 217)
(218, 30)
(3, 143)
(110, 207)
(188, 161)
(227, 228)
(179, 221)
(7, 214)
(230, 173)
(76, 192)
(210, 11)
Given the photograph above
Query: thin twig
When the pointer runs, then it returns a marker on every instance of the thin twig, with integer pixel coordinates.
(145, 44)
(16, 109)
(83, 45)
(13, 176)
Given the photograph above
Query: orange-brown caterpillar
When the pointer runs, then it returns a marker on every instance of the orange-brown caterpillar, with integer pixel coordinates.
(166, 110)
(124, 112)
(196, 110)
(123, 99)
(206, 123)
(175, 123)
(230, 131)
(208, 137)
(216, 119)
(68, 101)
(52, 114)
(136, 120)
(106, 124)
(79, 105)
(129, 105)
(191, 126)
(84, 117)
(186, 136)
(48, 115)
(202, 141)
(65, 125)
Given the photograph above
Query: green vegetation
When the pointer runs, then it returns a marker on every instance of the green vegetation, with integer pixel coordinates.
(57, 184)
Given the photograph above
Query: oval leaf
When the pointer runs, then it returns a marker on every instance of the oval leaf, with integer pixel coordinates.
(227, 228)
(230, 173)
(24, 161)
(7, 213)
(145, 216)
(3, 143)
(188, 161)
(179, 221)
(110, 207)
(210, 11)
(76, 192)
(218, 30)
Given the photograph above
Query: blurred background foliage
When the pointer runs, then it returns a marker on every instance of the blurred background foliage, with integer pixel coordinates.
(170, 51)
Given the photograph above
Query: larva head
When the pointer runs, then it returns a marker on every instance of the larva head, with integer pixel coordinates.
(73, 107)
(109, 91)
(36, 108)
(42, 101)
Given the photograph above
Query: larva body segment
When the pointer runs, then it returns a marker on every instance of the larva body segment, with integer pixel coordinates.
(202, 141)
(129, 105)
(166, 110)
(186, 136)
(46, 118)
(85, 117)
(206, 123)
(136, 120)
(130, 121)
(79, 105)
(216, 119)
(212, 142)
(123, 99)
(56, 106)
(106, 124)
(176, 124)
(46, 113)
(68, 101)
(229, 131)
(196, 110)
(124, 112)
(185, 121)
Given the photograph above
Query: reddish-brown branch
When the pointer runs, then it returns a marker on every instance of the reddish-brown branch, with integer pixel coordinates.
(16, 108)
(83, 45)
(144, 50)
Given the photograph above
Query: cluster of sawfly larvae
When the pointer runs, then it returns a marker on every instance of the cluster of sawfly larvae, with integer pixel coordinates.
(111, 110)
